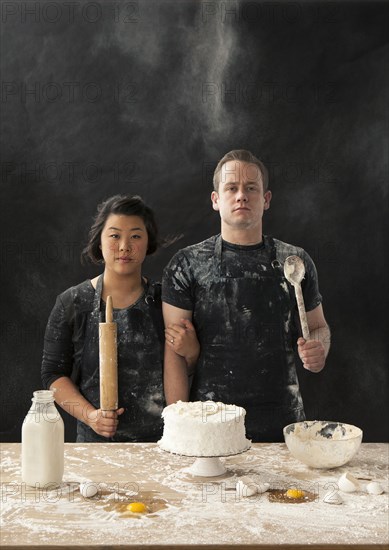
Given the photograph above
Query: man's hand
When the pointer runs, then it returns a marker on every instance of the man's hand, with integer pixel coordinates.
(312, 354)
(103, 422)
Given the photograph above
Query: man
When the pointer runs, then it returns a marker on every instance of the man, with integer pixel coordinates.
(243, 309)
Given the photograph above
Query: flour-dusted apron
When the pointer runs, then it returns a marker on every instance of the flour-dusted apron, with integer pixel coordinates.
(139, 337)
(244, 325)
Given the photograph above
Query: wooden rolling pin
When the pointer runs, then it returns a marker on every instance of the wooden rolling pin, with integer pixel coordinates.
(108, 360)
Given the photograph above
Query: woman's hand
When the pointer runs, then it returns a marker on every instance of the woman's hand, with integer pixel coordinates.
(182, 339)
(103, 422)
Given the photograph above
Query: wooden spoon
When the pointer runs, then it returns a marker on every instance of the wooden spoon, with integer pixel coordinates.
(294, 272)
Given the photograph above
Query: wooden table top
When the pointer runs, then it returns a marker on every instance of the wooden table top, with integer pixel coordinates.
(187, 511)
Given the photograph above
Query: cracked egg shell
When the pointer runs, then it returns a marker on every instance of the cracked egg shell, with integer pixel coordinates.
(374, 488)
(332, 498)
(246, 487)
(348, 483)
(88, 489)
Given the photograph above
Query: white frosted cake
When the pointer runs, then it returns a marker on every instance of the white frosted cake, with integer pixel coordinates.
(204, 428)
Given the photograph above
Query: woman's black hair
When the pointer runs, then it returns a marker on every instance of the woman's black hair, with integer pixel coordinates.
(127, 205)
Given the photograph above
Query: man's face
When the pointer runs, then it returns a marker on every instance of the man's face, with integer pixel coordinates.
(240, 199)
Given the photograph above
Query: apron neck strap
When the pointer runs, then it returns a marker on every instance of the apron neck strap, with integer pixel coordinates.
(269, 243)
(97, 298)
(267, 240)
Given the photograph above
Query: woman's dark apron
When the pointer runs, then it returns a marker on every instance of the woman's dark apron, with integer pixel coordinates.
(139, 337)
(244, 325)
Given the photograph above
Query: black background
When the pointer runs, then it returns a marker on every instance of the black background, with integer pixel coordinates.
(145, 97)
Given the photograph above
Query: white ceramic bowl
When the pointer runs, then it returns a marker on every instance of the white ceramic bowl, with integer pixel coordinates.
(323, 444)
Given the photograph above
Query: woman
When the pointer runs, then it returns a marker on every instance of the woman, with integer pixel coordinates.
(123, 233)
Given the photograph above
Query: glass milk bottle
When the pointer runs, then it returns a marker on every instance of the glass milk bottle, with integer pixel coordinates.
(42, 442)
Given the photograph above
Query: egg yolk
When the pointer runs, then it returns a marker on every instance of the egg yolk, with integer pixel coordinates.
(295, 493)
(137, 507)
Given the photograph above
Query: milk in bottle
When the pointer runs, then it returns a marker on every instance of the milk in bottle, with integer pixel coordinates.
(42, 442)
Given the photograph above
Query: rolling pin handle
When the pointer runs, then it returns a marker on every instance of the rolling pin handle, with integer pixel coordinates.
(109, 310)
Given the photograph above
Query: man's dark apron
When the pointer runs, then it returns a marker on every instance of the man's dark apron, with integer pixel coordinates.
(143, 426)
(244, 325)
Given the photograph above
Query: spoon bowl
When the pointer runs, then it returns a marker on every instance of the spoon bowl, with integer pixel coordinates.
(294, 270)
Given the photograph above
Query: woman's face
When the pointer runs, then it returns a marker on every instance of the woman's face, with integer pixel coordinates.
(124, 242)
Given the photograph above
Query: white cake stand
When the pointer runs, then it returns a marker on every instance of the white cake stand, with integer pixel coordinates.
(208, 466)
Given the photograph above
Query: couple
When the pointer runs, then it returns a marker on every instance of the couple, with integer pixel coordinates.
(241, 345)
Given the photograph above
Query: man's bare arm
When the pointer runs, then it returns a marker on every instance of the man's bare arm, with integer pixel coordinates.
(175, 377)
(318, 328)
(314, 351)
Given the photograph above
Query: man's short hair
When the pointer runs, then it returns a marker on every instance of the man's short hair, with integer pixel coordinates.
(243, 156)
